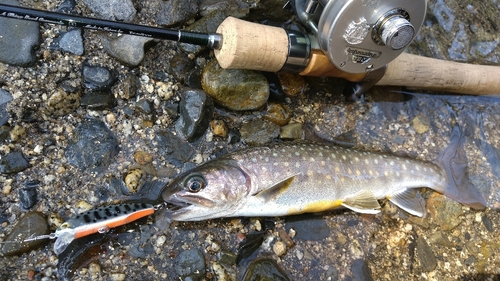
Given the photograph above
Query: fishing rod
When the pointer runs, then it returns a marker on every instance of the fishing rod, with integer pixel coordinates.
(358, 40)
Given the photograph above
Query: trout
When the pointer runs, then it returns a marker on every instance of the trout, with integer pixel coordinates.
(295, 178)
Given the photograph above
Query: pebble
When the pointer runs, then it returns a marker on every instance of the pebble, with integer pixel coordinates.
(425, 255)
(181, 66)
(71, 42)
(219, 128)
(173, 148)
(13, 162)
(292, 84)
(127, 49)
(67, 6)
(195, 110)
(421, 123)
(488, 224)
(98, 100)
(361, 271)
(235, 89)
(291, 131)
(23, 38)
(264, 269)
(259, 132)
(127, 89)
(446, 214)
(176, 11)
(28, 194)
(133, 179)
(92, 147)
(142, 157)
(97, 77)
(190, 264)
(119, 10)
(279, 248)
(5, 98)
(278, 113)
(30, 225)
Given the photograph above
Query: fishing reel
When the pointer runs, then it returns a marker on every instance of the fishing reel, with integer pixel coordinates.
(361, 36)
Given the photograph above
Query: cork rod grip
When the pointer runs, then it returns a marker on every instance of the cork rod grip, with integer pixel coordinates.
(247, 45)
(439, 75)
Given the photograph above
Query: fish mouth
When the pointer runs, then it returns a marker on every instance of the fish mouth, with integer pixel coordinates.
(179, 205)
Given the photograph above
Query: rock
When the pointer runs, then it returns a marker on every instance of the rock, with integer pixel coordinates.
(92, 147)
(278, 113)
(265, 269)
(235, 8)
(235, 89)
(174, 149)
(119, 10)
(133, 179)
(196, 110)
(308, 228)
(207, 24)
(292, 84)
(61, 103)
(145, 106)
(488, 224)
(13, 162)
(219, 128)
(291, 131)
(98, 100)
(444, 212)
(127, 89)
(71, 42)
(259, 132)
(30, 225)
(425, 255)
(143, 158)
(421, 123)
(4, 133)
(5, 98)
(279, 248)
(181, 66)
(191, 264)
(128, 49)
(97, 77)
(176, 11)
(23, 38)
(67, 6)
(28, 194)
(361, 271)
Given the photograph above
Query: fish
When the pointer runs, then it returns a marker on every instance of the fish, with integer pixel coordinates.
(293, 178)
(97, 220)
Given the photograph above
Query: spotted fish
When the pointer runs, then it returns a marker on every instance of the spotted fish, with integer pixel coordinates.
(292, 178)
(96, 220)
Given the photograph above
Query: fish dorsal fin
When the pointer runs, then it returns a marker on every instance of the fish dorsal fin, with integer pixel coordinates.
(363, 201)
(275, 190)
(409, 200)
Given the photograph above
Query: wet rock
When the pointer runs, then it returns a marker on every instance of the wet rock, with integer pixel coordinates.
(97, 77)
(279, 248)
(196, 110)
(292, 84)
(421, 123)
(92, 147)
(207, 24)
(291, 131)
(119, 10)
(259, 132)
(5, 98)
(235, 8)
(23, 39)
(4, 133)
(143, 158)
(235, 89)
(13, 162)
(308, 228)
(459, 46)
(487, 223)
(265, 269)
(127, 89)
(98, 100)
(483, 48)
(133, 179)
(128, 49)
(30, 225)
(181, 66)
(28, 194)
(67, 6)
(144, 106)
(278, 113)
(61, 103)
(219, 128)
(425, 255)
(444, 212)
(361, 271)
(176, 150)
(176, 11)
(191, 264)
(71, 42)
(233, 136)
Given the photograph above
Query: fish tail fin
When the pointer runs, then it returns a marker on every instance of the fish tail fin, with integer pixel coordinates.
(453, 162)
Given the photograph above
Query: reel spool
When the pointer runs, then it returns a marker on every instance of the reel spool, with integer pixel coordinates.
(360, 36)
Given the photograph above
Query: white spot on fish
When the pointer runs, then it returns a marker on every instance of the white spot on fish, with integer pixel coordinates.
(343, 157)
(333, 156)
(356, 159)
(323, 163)
(425, 169)
(417, 168)
(397, 174)
(349, 171)
(404, 167)
(386, 173)
(297, 165)
(254, 160)
(407, 161)
(266, 159)
(286, 164)
(367, 162)
(275, 164)
(297, 153)
(320, 154)
(392, 163)
(328, 177)
(310, 173)
(263, 168)
(358, 172)
(301, 148)
(312, 159)
(276, 154)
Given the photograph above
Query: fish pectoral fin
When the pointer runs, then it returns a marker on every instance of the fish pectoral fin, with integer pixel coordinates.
(409, 200)
(275, 190)
(363, 201)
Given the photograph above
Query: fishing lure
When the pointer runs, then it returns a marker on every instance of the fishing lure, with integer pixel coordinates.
(98, 220)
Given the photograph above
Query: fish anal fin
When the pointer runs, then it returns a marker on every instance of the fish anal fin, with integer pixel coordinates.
(363, 201)
(409, 200)
(275, 190)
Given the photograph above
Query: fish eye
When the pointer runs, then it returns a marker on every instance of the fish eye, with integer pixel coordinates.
(195, 183)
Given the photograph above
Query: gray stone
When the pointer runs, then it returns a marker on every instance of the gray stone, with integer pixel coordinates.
(175, 150)
(30, 225)
(71, 42)
(176, 11)
(13, 162)
(259, 132)
(128, 49)
(190, 264)
(361, 271)
(97, 77)
(425, 255)
(196, 109)
(5, 98)
(120, 10)
(98, 100)
(21, 39)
